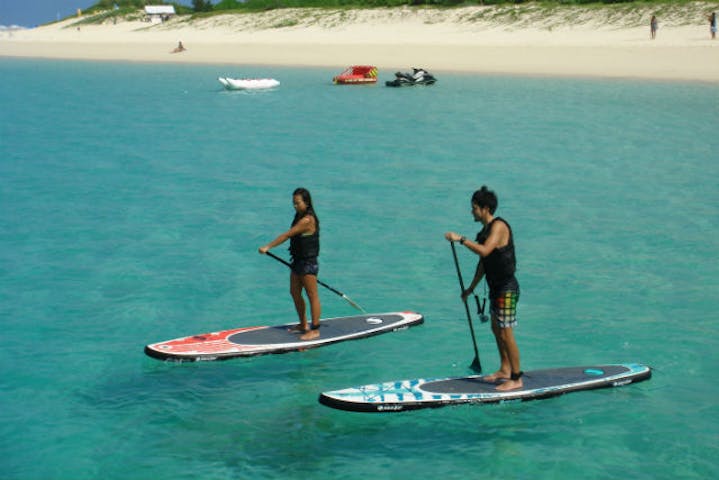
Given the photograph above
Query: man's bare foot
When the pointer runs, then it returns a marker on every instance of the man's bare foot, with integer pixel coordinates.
(496, 377)
(311, 335)
(297, 329)
(510, 385)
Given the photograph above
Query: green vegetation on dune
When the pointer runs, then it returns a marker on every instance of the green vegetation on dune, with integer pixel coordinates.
(550, 12)
(253, 5)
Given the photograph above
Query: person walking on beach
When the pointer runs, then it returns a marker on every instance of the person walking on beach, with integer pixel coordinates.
(653, 26)
(713, 25)
(304, 236)
(495, 246)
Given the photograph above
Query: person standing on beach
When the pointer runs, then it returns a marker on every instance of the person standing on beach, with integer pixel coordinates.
(713, 25)
(179, 48)
(653, 26)
(495, 246)
(304, 236)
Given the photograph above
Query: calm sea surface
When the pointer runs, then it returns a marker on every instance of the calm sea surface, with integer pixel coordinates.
(133, 199)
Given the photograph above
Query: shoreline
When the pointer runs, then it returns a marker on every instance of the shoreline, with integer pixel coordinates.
(454, 40)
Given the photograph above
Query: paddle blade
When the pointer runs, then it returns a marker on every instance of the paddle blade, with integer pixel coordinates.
(476, 366)
(349, 300)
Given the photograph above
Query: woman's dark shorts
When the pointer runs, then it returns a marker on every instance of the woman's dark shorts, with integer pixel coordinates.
(307, 266)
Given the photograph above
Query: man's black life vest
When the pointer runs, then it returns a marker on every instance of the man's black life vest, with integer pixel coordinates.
(500, 265)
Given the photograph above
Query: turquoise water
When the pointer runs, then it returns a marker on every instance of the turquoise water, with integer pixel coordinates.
(134, 197)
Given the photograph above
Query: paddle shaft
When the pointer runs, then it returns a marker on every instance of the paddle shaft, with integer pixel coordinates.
(334, 290)
(476, 365)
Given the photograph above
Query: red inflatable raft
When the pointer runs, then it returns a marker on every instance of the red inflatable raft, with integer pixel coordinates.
(357, 74)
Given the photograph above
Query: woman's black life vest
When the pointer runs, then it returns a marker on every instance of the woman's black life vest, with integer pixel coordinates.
(500, 265)
(304, 247)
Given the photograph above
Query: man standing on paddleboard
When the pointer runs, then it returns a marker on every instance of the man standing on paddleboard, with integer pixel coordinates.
(495, 246)
(304, 235)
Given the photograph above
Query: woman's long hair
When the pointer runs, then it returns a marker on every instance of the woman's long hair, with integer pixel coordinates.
(307, 198)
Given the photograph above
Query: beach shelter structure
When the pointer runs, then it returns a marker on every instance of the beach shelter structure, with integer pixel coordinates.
(159, 13)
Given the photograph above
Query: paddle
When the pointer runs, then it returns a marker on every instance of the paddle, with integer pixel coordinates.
(476, 365)
(349, 300)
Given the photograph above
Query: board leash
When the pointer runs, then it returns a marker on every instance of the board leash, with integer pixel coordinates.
(483, 318)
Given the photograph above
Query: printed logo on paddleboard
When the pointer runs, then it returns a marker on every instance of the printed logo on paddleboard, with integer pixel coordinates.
(389, 408)
(374, 321)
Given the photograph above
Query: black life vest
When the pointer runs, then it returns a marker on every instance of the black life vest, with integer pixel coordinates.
(500, 265)
(304, 247)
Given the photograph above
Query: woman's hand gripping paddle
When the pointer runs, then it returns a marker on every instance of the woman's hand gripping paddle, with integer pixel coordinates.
(476, 365)
(349, 300)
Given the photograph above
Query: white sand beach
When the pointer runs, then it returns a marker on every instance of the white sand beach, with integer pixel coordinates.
(609, 41)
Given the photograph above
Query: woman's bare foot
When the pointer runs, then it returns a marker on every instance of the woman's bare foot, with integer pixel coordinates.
(297, 329)
(497, 376)
(311, 335)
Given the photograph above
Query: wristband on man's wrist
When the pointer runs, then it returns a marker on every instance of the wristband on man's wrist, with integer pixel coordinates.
(462, 240)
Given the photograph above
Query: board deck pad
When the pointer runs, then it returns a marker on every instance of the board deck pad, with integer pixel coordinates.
(249, 341)
(425, 393)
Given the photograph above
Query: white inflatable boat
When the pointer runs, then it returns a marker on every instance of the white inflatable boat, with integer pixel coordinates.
(248, 83)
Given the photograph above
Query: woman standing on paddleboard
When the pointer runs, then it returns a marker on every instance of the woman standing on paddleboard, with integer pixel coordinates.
(304, 236)
(495, 246)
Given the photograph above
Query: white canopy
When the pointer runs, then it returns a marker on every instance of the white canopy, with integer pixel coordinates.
(160, 10)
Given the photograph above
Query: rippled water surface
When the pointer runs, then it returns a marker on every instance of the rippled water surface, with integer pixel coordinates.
(133, 199)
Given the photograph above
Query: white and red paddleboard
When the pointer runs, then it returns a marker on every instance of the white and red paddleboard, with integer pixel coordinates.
(249, 341)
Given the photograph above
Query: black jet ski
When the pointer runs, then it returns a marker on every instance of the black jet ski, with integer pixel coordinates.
(419, 76)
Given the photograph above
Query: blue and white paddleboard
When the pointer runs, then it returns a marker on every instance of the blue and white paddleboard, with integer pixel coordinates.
(424, 393)
(249, 341)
